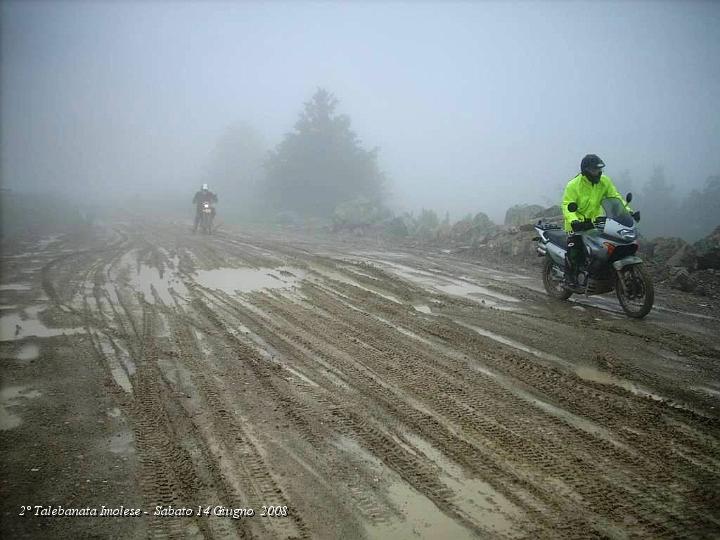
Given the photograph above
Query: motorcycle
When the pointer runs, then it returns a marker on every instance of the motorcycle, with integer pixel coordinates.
(610, 263)
(206, 218)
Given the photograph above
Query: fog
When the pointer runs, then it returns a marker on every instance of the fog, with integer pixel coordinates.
(474, 106)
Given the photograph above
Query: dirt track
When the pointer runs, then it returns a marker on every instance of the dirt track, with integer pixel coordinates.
(371, 393)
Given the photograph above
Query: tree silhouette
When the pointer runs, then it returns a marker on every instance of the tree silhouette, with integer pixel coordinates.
(321, 163)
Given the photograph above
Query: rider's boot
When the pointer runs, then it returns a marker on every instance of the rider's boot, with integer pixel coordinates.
(570, 273)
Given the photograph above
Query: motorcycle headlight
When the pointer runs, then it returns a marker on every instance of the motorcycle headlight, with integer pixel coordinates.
(627, 234)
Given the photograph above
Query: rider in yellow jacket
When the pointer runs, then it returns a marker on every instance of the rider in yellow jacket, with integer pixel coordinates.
(587, 190)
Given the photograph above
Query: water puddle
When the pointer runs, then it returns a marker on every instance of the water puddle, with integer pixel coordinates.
(424, 309)
(711, 391)
(602, 377)
(15, 287)
(402, 330)
(300, 376)
(13, 396)
(122, 443)
(28, 352)
(245, 280)
(686, 313)
(121, 365)
(147, 278)
(574, 420)
(470, 290)
(418, 515)
(47, 241)
(455, 287)
(338, 276)
(516, 345)
(478, 500)
(14, 327)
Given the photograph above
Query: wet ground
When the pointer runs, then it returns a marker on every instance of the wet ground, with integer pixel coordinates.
(345, 389)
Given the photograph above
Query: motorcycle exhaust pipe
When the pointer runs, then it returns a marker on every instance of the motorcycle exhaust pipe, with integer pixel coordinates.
(541, 251)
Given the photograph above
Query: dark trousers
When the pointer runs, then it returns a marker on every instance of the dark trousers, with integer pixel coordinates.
(575, 256)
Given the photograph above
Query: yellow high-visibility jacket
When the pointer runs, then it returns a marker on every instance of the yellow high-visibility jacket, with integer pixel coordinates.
(588, 197)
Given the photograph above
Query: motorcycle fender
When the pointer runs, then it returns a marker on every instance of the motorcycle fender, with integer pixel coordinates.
(556, 254)
(622, 263)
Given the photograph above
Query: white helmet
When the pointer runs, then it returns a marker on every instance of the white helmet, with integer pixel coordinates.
(204, 187)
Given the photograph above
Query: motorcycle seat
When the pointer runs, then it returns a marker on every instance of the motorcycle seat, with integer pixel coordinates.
(557, 237)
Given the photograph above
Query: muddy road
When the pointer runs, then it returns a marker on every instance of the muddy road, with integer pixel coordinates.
(343, 391)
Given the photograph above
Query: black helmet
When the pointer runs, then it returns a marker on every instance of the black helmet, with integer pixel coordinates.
(591, 161)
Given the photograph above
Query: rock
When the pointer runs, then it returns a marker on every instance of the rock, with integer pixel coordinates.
(710, 259)
(681, 279)
(684, 256)
(521, 213)
(672, 252)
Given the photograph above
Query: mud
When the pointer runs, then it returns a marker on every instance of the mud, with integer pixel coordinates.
(372, 391)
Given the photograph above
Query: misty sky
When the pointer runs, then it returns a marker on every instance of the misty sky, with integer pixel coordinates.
(475, 106)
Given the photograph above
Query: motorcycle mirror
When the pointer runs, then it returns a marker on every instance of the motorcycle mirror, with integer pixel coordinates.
(628, 197)
(572, 207)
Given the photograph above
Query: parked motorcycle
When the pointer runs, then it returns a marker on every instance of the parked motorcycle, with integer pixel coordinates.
(610, 263)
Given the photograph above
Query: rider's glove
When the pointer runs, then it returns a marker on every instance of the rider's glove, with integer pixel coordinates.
(576, 225)
(636, 215)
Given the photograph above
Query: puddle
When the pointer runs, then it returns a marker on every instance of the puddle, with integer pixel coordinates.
(121, 379)
(602, 377)
(45, 242)
(419, 517)
(15, 287)
(13, 396)
(122, 443)
(707, 390)
(574, 420)
(146, 278)
(459, 288)
(13, 327)
(478, 500)
(686, 313)
(516, 345)
(299, 375)
(455, 287)
(423, 309)
(244, 280)
(402, 330)
(27, 352)
(121, 365)
(338, 276)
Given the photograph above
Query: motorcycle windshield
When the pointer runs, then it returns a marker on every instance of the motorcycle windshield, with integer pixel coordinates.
(615, 209)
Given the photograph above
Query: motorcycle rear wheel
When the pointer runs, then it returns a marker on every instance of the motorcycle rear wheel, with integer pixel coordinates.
(553, 287)
(635, 291)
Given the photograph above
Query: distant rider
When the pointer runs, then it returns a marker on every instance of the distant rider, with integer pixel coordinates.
(203, 196)
(587, 190)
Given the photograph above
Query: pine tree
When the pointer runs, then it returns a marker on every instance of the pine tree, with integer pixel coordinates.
(321, 163)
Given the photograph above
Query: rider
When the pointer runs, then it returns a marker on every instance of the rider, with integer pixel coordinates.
(587, 190)
(203, 196)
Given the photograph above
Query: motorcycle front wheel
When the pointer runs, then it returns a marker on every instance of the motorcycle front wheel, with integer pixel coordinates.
(635, 291)
(553, 286)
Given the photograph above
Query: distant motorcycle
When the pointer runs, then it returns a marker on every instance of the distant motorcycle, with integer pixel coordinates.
(206, 217)
(610, 244)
